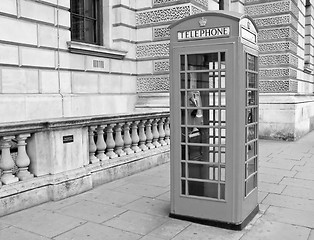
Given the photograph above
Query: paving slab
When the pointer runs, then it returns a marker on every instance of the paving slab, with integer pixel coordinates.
(311, 237)
(164, 196)
(289, 202)
(290, 216)
(304, 168)
(269, 178)
(97, 232)
(135, 222)
(151, 206)
(170, 229)
(202, 232)
(270, 187)
(305, 175)
(141, 190)
(13, 233)
(268, 230)
(301, 192)
(297, 182)
(42, 222)
(109, 197)
(91, 211)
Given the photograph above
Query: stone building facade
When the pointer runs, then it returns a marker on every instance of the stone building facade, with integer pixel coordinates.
(45, 74)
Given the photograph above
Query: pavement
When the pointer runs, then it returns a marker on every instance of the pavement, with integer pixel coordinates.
(137, 207)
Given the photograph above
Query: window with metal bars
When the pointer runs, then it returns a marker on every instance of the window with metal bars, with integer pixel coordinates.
(85, 21)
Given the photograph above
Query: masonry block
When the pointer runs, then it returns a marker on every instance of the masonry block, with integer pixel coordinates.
(19, 80)
(8, 7)
(47, 36)
(84, 82)
(37, 57)
(37, 11)
(64, 18)
(9, 54)
(49, 82)
(18, 31)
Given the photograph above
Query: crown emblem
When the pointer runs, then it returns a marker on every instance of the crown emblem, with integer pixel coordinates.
(202, 22)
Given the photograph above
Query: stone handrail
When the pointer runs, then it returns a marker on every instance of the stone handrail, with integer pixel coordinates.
(109, 137)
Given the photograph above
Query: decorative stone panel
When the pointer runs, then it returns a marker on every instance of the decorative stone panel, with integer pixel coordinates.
(195, 10)
(274, 86)
(277, 33)
(268, 8)
(161, 66)
(162, 15)
(278, 59)
(153, 84)
(273, 21)
(160, 2)
(277, 73)
(277, 46)
(278, 86)
(152, 50)
(161, 32)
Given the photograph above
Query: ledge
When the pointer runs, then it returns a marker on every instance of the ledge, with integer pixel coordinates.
(95, 50)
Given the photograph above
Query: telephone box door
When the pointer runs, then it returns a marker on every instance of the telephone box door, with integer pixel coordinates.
(205, 79)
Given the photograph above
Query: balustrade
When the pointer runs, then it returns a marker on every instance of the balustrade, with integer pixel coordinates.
(107, 139)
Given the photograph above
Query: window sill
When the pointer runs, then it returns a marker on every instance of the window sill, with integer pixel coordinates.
(95, 50)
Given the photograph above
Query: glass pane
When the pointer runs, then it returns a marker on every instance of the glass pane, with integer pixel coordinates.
(213, 80)
(214, 136)
(213, 61)
(222, 174)
(222, 136)
(213, 117)
(251, 133)
(90, 8)
(223, 99)
(203, 61)
(213, 154)
(223, 117)
(222, 60)
(77, 7)
(222, 155)
(90, 31)
(198, 135)
(251, 115)
(182, 62)
(183, 169)
(213, 99)
(251, 62)
(77, 28)
(222, 191)
(182, 99)
(182, 78)
(183, 150)
(251, 183)
(183, 116)
(251, 150)
(203, 189)
(198, 80)
(251, 80)
(183, 186)
(222, 79)
(250, 167)
(183, 134)
(251, 97)
(201, 171)
(195, 153)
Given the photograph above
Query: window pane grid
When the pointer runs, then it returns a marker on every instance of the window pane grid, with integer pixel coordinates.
(203, 123)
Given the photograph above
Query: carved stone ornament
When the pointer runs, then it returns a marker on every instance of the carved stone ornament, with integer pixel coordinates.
(202, 22)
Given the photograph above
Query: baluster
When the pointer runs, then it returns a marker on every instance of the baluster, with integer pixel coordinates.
(6, 162)
(101, 144)
(110, 142)
(127, 138)
(135, 137)
(149, 134)
(142, 136)
(155, 134)
(161, 131)
(22, 160)
(92, 145)
(119, 141)
(167, 130)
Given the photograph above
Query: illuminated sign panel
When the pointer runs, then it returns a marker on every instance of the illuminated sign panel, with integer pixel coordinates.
(215, 32)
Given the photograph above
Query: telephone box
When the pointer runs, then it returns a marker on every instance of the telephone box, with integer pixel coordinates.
(214, 119)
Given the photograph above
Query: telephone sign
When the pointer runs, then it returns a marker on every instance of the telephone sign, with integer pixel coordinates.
(214, 114)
